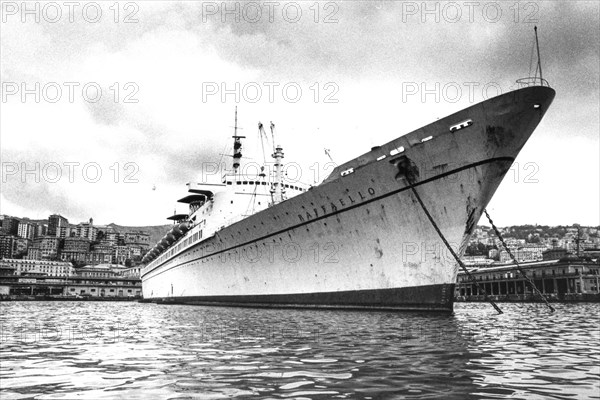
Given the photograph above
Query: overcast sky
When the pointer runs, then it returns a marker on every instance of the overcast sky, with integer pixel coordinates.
(161, 67)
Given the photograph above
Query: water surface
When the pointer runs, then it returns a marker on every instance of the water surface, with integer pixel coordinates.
(106, 350)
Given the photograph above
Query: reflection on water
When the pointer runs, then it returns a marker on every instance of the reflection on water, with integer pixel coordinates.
(89, 350)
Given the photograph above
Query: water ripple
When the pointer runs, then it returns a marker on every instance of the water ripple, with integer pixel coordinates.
(64, 350)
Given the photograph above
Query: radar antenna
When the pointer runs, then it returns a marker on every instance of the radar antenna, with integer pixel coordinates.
(537, 45)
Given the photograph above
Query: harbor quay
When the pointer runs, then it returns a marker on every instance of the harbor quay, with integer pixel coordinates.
(567, 279)
(55, 280)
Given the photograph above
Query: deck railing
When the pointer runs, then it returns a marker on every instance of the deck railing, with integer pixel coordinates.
(532, 81)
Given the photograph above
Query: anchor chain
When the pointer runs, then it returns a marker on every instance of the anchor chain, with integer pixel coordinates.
(456, 257)
(521, 271)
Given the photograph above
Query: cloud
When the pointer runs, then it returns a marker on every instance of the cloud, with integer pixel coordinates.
(106, 111)
(368, 53)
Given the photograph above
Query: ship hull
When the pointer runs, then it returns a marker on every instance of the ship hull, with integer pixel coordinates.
(419, 298)
(361, 240)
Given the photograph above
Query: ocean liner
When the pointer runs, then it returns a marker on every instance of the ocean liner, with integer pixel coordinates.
(359, 239)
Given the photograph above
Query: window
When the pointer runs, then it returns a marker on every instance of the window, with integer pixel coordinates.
(397, 151)
(347, 172)
(461, 125)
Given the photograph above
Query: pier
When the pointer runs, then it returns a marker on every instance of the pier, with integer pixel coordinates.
(569, 279)
(88, 283)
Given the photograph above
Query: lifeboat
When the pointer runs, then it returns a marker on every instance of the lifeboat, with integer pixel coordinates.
(176, 232)
(184, 227)
(171, 237)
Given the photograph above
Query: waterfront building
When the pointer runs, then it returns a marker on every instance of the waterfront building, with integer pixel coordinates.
(20, 247)
(46, 267)
(135, 251)
(102, 287)
(476, 260)
(121, 254)
(79, 244)
(102, 252)
(132, 272)
(138, 238)
(41, 230)
(33, 252)
(6, 245)
(27, 229)
(97, 271)
(87, 282)
(45, 247)
(10, 225)
(75, 249)
(86, 230)
(575, 279)
(5, 272)
(554, 254)
(127, 252)
(65, 231)
(525, 253)
(78, 257)
(111, 237)
(55, 223)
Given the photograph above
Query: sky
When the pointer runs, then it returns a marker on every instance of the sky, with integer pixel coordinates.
(109, 109)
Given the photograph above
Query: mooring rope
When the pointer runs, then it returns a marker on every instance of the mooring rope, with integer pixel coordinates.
(456, 257)
(529, 281)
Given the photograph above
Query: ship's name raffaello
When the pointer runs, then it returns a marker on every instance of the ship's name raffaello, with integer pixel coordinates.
(333, 207)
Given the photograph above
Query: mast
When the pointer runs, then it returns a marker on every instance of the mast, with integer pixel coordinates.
(263, 136)
(537, 45)
(277, 188)
(235, 125)
(237, 147)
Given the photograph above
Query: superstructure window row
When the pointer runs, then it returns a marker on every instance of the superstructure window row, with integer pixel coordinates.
(264, 184)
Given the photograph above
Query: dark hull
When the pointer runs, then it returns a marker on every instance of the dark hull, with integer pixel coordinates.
(420, 298)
